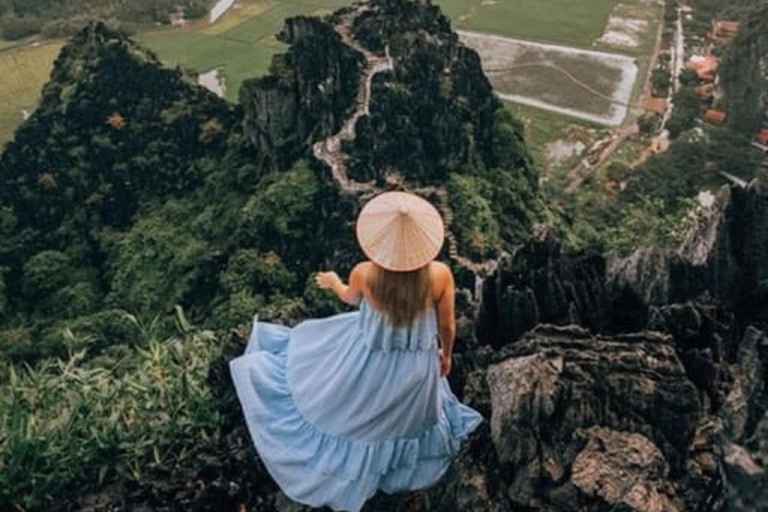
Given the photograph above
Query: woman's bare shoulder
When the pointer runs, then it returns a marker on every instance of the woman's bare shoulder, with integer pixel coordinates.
(440, 269)
(363, 268)
(442, 278)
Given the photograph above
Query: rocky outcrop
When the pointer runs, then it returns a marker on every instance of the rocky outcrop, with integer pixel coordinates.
(543, 282)
(725, 257)
(570, 411)
(436, 111)
(708, 297)
(623, 468)
(307, 96)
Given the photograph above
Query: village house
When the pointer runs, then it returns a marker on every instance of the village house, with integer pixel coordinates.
(724, 31)
(177, 19)
(657, 106)
(714, 116)
(705, 67)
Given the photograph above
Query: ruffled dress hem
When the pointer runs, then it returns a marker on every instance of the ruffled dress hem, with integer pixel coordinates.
(298, 453)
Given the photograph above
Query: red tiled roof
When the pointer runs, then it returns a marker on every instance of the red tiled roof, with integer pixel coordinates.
(656, 105)
(762, 136)
(716, 116)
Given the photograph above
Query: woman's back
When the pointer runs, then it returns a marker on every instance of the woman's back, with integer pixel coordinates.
(343, 406)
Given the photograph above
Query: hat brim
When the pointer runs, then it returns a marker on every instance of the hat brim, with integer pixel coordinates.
(400, 248)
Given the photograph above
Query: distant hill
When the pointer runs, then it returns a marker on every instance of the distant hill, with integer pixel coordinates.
(60, 18)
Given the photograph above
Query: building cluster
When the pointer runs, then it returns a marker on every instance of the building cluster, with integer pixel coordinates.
(706, 67)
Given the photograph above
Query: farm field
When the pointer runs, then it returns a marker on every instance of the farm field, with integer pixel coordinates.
(241, 44)
(556, 142)
(560, 21)
(590, 85)
(24, 71)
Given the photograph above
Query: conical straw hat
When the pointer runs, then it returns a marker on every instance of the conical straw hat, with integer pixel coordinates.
(399, 231)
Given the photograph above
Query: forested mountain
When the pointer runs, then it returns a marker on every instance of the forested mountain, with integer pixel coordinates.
(20, 18)
(745, 72)
(133, 201)
(132, 189)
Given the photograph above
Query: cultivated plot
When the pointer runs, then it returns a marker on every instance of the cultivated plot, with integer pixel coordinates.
(24, 71)
(590, 85)
(240, 45)
(568, 22)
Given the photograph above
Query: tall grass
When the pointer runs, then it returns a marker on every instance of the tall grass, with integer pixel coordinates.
(68, 425)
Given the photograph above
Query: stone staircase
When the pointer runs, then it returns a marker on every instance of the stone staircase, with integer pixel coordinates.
(330, 150)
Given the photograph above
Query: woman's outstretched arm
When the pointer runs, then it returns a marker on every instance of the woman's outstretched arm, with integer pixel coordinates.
(352, 293)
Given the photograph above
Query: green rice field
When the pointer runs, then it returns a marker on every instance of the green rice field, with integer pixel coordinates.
(558, 21)
(24, 71)
(241, 44)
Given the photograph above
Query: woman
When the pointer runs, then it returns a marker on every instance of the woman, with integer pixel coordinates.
(343, 406)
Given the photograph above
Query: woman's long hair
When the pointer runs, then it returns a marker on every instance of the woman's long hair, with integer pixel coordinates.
(402, 296)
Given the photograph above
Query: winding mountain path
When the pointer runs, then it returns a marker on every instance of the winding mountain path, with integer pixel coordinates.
(330, 151)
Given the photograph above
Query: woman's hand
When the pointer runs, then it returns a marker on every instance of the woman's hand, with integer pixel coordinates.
(328, 280)
(445, 364)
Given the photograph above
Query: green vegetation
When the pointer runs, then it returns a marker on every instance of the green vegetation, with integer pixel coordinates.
(691, 165)
(543, 128)
(83, 421)
(476, 227)
(559, 21)
(54, 18)
(687, 110)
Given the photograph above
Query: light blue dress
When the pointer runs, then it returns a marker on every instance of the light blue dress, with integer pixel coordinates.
(342, 406)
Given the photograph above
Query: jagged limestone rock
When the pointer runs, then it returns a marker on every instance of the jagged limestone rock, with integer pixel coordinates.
(543, 282)
(620, 467)
(560, 382)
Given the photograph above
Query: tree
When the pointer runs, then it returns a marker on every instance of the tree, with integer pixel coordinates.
(648, 124)
(661, 81)
(688, 77)
(474, 219)
(617, 171)
(152, 267)
(686, 109)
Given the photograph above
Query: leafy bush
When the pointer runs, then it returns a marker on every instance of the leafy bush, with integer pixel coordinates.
(155, 263)
(687, 110)
(66, 425)
(45, 273)
(648, 124)
(12, 27)
(263, 274)
(95, 332)
(648, 223)
(474, 220)
(283, 207)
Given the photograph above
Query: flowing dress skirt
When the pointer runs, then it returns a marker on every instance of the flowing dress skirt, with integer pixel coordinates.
(343, 406)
